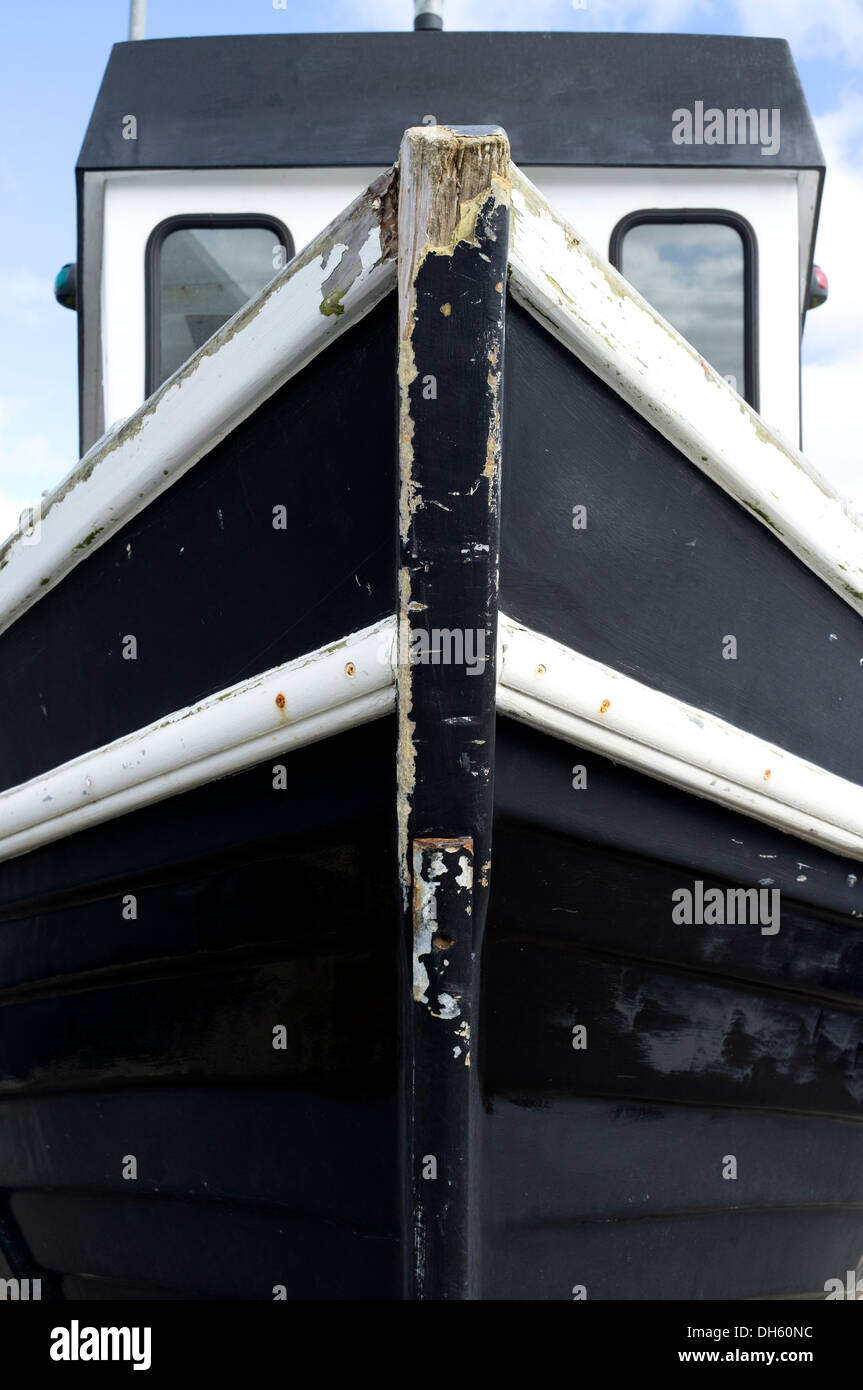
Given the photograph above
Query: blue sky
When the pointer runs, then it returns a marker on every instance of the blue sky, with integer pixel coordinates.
(53, 58)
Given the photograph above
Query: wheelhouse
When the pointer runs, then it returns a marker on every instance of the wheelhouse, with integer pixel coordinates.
(690, 161)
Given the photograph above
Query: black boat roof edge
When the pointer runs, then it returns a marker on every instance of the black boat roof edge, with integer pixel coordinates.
(314, 103)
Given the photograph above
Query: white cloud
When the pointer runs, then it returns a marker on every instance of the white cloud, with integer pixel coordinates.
(831, 424)
(833, 342)
(651, 16)
(25, 297)
(29, 465)
(507, 14)
(10, 510)
(398, 15)
(828, 29)
(836, 327)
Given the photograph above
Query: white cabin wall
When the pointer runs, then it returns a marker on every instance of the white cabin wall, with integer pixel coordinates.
(593, 200)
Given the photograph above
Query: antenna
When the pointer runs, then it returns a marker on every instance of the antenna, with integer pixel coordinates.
(428, 14)
(137, 18)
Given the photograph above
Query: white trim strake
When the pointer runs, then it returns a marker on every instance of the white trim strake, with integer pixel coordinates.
(572, 697)
(338, 687)
(540, 682)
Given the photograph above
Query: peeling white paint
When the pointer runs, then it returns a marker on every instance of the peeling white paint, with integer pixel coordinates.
(463, 1032)
(425, 916)
(464, 878)
(431, 861)
(446, 179)
(450, 1007)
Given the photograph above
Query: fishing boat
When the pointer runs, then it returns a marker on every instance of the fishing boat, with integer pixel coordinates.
(432, 793)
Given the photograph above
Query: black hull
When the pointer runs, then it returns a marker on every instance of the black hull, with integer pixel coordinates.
(290, 1170)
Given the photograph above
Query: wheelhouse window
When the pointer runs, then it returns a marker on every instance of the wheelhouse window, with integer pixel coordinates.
(698, 270)
(200, 271)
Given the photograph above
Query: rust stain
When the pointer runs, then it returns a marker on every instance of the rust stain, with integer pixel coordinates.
(605, 707)
(350, 669)
(448, 843)
(540, 670)
(280, 701)
(767, 774)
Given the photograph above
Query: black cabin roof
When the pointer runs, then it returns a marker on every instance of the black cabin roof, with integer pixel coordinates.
(344, 99)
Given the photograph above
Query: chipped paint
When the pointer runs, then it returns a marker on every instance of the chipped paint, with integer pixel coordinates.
(425, 917)
(464, 879)
(446, 181)
(492, 451)
(449, 1006)
(463, 1032)
(406, 753)
(355, 235)
(453, 232)
(430, 865)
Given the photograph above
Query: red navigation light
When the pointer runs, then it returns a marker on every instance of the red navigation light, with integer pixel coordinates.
(817, 288)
